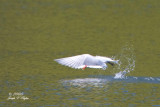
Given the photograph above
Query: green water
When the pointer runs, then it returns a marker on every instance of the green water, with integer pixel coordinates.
(34, 33)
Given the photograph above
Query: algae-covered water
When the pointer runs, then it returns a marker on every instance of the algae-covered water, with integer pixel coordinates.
(34, 33)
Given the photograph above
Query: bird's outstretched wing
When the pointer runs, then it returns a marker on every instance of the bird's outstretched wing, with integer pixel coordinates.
(107, 60)
(76, 62)
(103, 58)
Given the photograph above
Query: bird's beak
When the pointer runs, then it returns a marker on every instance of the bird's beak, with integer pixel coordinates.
(111, 63)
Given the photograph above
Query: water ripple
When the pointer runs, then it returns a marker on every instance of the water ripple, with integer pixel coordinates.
(100, 81)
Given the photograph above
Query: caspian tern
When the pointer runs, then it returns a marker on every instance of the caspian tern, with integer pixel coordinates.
(86, 60)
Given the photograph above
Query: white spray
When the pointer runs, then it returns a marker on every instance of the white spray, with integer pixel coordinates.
(126, 63)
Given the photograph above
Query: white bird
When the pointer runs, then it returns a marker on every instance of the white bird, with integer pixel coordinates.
(86, 60)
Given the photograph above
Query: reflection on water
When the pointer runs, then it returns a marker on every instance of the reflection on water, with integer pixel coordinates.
(100, 81)
(96, 82)
(106, 90)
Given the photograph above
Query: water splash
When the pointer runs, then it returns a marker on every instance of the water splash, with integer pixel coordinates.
(126, 63)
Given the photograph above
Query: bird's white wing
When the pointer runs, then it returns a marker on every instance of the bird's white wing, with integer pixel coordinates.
(76, 62)
(104, 59)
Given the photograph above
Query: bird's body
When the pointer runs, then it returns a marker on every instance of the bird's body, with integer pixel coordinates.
(86, 60)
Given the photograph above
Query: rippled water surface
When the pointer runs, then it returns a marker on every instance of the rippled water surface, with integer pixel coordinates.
(34, 33)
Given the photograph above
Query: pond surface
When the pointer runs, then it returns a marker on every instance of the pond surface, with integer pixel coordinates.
(34, 33)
